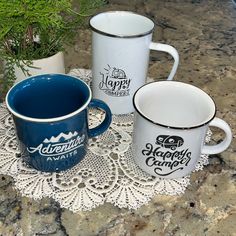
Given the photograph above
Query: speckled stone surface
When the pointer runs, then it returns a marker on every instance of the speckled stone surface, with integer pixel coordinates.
(204, 33)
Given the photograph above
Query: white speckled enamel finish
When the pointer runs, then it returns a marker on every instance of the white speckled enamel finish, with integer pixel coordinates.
(170, 126)
(121, 42)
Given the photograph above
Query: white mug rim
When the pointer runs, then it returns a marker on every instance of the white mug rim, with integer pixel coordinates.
(169, 126)
(119, 35)
(48, 120)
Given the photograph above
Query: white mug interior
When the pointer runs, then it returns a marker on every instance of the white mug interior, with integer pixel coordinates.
(174, 104)
(121, 24)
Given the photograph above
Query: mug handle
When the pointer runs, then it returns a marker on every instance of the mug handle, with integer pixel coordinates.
(101, 128)
(220, 147)
(172, 51)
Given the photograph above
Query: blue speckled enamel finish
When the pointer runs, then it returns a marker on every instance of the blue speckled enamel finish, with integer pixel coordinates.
(50, 115)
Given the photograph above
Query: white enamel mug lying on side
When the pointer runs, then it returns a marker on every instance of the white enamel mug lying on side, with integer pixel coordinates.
(171, 121)
(121, 43)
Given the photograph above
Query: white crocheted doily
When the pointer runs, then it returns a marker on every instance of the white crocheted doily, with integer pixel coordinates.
(107, 173)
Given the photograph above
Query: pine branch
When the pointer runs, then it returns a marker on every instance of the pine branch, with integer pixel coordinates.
(55, 23)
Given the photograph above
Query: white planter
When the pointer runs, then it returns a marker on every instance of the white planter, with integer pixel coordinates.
(53, 64)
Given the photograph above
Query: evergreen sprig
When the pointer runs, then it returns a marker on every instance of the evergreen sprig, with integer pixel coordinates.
(35, 29)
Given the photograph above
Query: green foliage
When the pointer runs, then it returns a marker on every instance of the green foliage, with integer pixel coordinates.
(34, 29)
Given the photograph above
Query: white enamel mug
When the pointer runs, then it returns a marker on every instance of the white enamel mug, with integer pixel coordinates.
(171, 121)
(121, 43)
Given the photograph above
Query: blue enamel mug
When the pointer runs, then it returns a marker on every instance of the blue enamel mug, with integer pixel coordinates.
(50, 113)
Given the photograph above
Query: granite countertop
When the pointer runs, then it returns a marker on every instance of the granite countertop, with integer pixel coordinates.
(204, 33)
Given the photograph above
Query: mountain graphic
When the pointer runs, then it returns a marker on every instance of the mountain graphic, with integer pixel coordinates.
(60, 137)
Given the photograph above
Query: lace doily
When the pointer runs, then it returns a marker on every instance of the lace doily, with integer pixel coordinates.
(107, 173)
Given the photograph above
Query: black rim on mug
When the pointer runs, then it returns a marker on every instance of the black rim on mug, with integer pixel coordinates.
(95, 29)
(169, 126)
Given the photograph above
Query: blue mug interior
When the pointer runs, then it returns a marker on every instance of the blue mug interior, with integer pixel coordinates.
(48, 96)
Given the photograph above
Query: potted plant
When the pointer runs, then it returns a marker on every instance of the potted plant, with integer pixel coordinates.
(32, 30)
